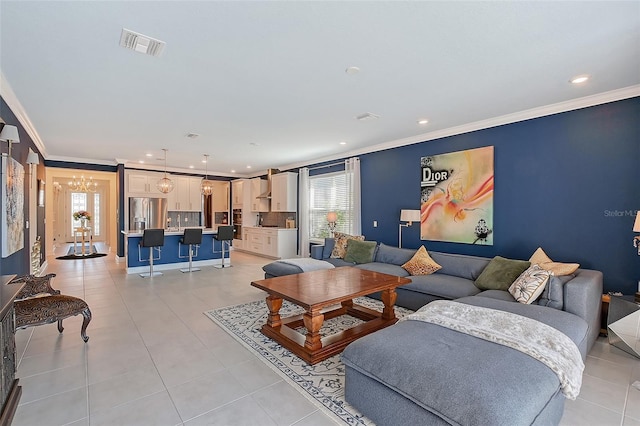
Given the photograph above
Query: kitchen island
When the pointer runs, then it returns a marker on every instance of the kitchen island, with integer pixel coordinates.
(209, 252)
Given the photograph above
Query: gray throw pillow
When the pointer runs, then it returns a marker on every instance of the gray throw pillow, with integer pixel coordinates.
(500, 273)
(360, 251)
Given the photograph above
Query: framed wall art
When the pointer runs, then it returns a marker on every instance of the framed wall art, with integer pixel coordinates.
(457, 197)
(12, 206)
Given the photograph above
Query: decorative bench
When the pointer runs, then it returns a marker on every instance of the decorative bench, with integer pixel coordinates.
(38, 304)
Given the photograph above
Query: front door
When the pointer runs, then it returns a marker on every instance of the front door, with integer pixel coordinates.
(92, 202)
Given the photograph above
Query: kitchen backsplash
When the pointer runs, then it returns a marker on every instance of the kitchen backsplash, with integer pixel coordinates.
(278, 219)
(186, 219)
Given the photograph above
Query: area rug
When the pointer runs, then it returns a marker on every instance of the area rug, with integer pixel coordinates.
(322, 383)
(89, 254)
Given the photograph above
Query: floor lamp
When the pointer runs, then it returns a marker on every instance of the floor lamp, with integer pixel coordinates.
(408, 216)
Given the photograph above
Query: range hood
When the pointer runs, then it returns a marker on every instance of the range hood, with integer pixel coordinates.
(267, 193)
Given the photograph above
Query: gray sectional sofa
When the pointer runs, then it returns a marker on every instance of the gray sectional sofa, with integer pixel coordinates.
(420, 373)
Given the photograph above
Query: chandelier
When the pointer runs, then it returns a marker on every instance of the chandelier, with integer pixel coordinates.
(165, 185)
(206, 186)
(82, 185)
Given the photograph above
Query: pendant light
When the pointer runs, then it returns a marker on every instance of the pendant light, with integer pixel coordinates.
(206, 186)
(165, 185)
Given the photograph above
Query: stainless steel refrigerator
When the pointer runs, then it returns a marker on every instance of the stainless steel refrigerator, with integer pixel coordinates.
(147, 213)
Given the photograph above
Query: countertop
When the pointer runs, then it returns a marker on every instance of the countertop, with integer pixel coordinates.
(205, 231)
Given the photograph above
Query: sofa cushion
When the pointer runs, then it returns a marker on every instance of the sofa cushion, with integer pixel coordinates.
(385, 268)
(339, 262)
(497, 294)
(341, 240)
(571, 325)
(393, 255)
(553, 294)
(329, 243)
(442, 286)
(500, 273)
(360, 251)
(421, 263)
(460, 265)
(540, 257)
(530, 284)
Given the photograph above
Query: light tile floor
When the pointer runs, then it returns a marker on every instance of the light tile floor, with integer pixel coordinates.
(153, 358)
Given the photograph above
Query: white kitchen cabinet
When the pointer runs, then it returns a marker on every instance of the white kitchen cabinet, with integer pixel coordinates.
(241, 193)
(143, 184)
(237, 192)
(284, 192)
(186, 195)
(258, 187)
(277, 243)
(220, 196)
(195, 194)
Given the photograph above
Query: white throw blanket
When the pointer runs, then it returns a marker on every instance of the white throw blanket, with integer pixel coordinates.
(308, 264)
(540, 341)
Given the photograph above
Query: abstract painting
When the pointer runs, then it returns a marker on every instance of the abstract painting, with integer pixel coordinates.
(12, 206)
(456, 194)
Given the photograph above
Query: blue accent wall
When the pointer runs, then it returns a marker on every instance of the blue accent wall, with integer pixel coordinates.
(19, 263)
(569, 183)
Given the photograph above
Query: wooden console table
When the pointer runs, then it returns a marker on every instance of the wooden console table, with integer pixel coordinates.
(9, 390)
(84, 233)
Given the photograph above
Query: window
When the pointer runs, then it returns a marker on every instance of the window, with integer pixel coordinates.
(329, 193)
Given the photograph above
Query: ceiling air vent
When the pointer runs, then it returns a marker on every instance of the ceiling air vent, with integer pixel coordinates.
(141, 43)
(367, 116)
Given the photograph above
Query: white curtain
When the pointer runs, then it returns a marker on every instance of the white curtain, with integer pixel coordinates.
(303, 216)
(352, 168)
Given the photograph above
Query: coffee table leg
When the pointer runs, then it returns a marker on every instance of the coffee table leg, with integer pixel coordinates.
(274, 304)
(389, 297)
(313, 322)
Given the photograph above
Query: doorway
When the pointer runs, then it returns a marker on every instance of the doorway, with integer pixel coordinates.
(68, 201)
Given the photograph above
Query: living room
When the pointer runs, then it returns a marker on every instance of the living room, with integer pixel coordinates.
(565, 179)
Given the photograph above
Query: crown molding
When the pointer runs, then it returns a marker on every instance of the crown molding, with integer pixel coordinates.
(16, 107)
(546, 110)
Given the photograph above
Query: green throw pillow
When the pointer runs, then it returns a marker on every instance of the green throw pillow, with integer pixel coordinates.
(360, 251)
(500, 273)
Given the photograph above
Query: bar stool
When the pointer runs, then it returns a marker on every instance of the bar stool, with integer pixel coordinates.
(192, 237)
(225, 233)
(154, 239)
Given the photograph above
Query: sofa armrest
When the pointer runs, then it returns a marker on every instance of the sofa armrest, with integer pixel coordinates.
(316, 251)
(583, 297)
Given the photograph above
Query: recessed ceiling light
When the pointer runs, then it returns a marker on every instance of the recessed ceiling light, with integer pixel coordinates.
(423, 121)
(149, 155)
(352, 70)
(204, 161)
(343, 143)
(248, 167)
(141, 161)
(580, 79)
(233, 171)
(191, 166)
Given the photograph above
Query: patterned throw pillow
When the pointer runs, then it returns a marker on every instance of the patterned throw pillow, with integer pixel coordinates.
(539, 257)
(340, 249)
(421, 263)
(530, 284)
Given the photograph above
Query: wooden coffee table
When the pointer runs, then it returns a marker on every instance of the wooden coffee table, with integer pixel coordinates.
(317, 290)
